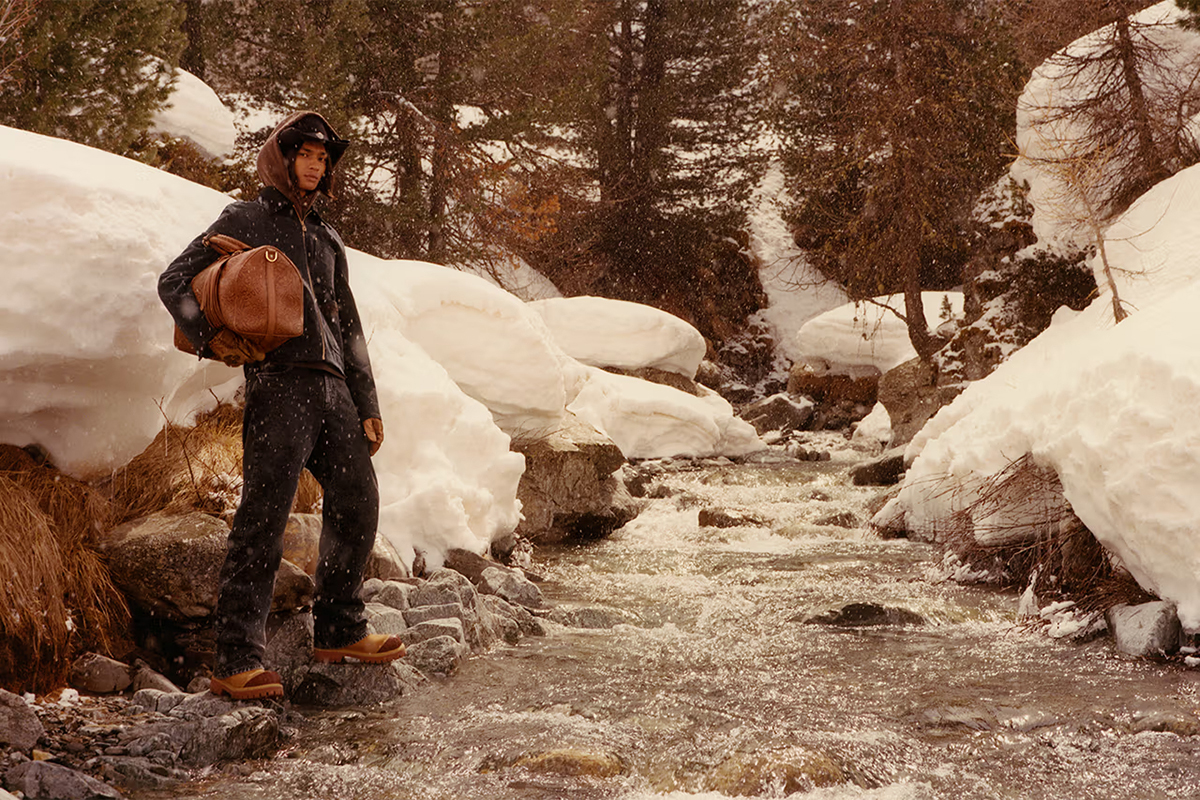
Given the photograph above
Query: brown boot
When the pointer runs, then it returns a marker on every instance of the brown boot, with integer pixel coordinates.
(248, 685)
(377, 648)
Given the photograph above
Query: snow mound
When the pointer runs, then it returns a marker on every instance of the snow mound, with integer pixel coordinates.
(194, 112)
(615, 333)
(870, 334)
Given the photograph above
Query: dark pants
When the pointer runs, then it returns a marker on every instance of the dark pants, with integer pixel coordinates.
(296, 417)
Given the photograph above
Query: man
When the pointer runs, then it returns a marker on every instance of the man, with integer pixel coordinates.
(310, 402)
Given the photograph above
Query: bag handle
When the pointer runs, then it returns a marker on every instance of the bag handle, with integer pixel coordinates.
(225, 245)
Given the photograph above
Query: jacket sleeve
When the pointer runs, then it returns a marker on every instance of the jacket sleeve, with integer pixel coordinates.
(359, 377)
(175, 286)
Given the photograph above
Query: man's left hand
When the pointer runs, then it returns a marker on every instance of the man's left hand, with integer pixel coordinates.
(374, 430)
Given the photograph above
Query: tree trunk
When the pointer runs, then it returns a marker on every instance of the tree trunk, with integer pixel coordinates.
(1148, 152)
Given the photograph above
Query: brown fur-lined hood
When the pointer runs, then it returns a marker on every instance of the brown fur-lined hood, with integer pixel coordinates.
(275, 157)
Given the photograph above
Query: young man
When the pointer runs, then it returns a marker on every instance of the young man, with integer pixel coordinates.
(311, 402)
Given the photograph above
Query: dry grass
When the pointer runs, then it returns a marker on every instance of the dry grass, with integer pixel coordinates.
(1055, 548)
(197, 468)
(57, 599)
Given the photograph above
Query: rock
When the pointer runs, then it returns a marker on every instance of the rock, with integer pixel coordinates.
(569, 490)
(510, 586)
(764, 774)
(911, 397)
(168, 565)
(45, 780)
(146, 678)
(19, 724)
(389, 593)
(98, 674)
(244, 733)
(443, 587)
(839, 519)
(1149, 629)
(440, 655)
(471, 565)
(342, 685)
(857, 615)
(527, 623)
(572, 762)
(780, 412)
(289, 647)
(1177, 722)
(415, 616)
(957, 717)
(301, 545)
(729, 518)
(385, 619)
(294, 588)
(884, 470)
(435, 628)
(593, 617)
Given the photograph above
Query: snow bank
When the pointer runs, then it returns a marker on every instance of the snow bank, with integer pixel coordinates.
(194, 112)
(868, 334)
(1057, 206)
(615, 333)
(1111, 408)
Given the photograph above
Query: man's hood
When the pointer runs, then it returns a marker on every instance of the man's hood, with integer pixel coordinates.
(274, 164)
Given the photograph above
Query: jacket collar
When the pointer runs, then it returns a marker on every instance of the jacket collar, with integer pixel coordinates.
(278, 203)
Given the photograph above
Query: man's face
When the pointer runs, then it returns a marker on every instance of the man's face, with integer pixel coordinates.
(310, 164)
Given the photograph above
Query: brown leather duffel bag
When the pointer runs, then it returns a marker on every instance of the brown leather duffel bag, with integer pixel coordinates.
(256, 292)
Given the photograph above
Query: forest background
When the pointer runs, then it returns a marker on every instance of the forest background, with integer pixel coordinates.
(614, 145)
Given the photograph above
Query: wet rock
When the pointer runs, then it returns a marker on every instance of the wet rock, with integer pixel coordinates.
(434, 628)
(1149, 629)
(342, 685)
(470, 565)
(857, 615)
(294, 588)
(572, 762)
(244, 733)
(729, 518)
(569, 490)
(764, 774)
(142, 772)
(527, 623)
(957, 717)
(885, 470)
(389, 593)
(443, 587)
(911, 397)
(98, 674)
(510, 586)
(839, 519)
(593, 617)
(43, 780)
(415, 616)
(289, 647)
(1178, 722)
(19, 723)
(440, 655)
(779, 412)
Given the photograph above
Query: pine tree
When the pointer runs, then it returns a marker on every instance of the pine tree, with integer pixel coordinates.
(894, 116)
(93, 71)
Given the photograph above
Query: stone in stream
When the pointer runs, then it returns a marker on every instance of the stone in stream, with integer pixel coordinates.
(859, 615)
(1149, 629)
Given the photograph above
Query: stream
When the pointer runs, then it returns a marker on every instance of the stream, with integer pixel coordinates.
(700, 677)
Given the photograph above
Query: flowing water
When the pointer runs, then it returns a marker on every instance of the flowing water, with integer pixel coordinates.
(709, 683)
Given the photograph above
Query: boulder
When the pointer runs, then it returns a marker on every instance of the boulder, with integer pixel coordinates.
(168, 565)
(569, 489)
(511, 586)
(440, 655)
(911, 396)
(97, 674)
(44, 780)
(244, 733)
(827, 383)
(1148, 629)
(780, 412)
(19, 724)
(729, 518)
(389, 593)
(301, 545)
(858, 615)
(884, 470)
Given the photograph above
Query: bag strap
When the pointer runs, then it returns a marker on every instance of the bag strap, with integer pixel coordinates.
(225, 245)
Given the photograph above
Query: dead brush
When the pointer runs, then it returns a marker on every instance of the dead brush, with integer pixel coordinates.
(196, 468)
(57, 600)
(1021, 529)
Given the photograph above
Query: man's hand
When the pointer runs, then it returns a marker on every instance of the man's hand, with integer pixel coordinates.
(234, 350)
(374, 431)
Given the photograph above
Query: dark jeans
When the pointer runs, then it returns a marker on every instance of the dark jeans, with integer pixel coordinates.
(296, 417)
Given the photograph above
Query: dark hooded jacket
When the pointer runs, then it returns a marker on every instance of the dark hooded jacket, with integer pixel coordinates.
(283, 216)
